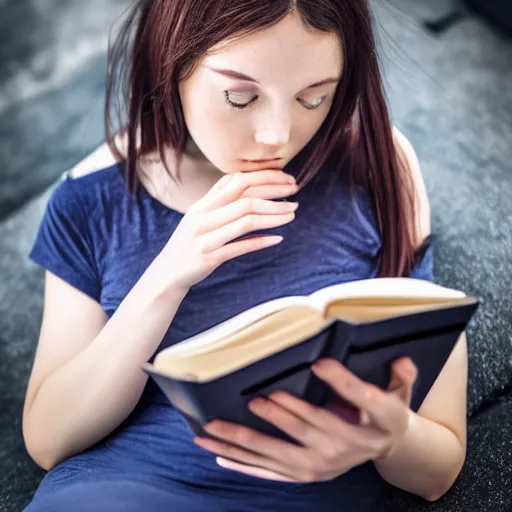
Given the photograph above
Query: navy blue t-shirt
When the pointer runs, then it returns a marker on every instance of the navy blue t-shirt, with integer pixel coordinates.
(97, 239)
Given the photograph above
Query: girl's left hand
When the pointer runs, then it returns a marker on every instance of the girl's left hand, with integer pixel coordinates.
(330, 445)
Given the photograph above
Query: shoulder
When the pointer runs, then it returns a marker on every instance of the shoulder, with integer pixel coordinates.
(101, 158)
(93, 184)
(96, 174)
(409, 158)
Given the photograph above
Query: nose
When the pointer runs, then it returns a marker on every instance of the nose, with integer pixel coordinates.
(274, 129)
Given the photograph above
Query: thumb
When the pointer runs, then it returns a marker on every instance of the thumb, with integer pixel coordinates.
(403, 376)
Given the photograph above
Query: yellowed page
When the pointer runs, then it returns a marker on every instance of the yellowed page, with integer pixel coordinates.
(244, 349)
(211, 337)
(386, 289)
(359, 311)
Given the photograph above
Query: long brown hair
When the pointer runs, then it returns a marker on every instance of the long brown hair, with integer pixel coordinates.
(158, 46)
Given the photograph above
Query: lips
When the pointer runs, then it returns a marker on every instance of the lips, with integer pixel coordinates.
(263, 160)
(259, 165)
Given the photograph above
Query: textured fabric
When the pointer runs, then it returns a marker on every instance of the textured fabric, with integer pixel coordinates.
(100, 241)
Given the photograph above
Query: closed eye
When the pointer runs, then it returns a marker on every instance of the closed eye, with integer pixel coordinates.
(235, 104)
(313, 105)
(308, 105)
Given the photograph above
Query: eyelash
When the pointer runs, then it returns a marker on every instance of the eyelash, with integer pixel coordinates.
(241, 106)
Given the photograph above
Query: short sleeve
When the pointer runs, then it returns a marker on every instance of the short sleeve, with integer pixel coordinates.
(63, 244)
(424, 265)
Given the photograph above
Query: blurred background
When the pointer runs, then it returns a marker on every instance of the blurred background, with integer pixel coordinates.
(52, 80)
(448, 75)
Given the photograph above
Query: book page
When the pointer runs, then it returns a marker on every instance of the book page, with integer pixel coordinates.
(365, 313)
(209, 338)
(384, 287)
(245, 348)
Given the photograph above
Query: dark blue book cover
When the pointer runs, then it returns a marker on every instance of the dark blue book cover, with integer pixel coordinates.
(366, 348)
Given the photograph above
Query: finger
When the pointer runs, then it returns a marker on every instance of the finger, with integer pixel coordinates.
(235, 249)
(252, 222)
(329, 427)
(253, 471)
(403, 375)
(271, 191)
(231, 451)
(244, 456)
(241, 208)
(297, 420)
(382, 407)
(235, 185)
(257, 443)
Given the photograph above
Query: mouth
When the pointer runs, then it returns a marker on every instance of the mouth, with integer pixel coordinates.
(263, 161)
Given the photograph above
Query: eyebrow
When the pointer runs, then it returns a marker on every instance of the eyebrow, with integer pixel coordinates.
(241, 76)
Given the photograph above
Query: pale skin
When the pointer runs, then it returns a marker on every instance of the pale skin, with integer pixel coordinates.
(421, 452)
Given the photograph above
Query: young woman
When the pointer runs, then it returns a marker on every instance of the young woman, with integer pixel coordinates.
(257, 160)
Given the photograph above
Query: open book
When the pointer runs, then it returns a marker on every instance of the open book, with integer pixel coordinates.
(365, 325)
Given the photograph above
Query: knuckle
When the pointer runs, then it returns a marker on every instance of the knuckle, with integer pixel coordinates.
(249, 204)
(213, 259)
(243, 436)
(194, 229)
(299, 427)
(331, 453)
(226, 179)
(310, 469)
(315, 412)
(228, 450)
(307, 475)
(237, 179)
(192, 220)
(201, 247)
(371, 393)
(250, 222)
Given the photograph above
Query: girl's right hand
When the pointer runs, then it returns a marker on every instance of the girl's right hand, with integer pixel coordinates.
(236, 205)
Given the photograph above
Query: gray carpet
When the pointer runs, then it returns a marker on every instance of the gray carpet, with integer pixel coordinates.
(451, 95)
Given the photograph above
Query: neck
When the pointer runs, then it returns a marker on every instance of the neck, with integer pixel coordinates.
(197, 177)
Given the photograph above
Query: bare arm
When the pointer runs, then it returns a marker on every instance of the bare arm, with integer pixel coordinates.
(62, 416)
(87, 374)
(432, 454)
(434, 450)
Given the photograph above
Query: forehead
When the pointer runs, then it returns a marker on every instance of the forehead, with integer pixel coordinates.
(286, 51)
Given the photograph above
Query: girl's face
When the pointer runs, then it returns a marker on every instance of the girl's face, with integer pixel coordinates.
(262, 97)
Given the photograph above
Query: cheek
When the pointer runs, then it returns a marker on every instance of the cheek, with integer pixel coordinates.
(305, 127)
(210, 121)
(221, 136)
(220, 132)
